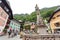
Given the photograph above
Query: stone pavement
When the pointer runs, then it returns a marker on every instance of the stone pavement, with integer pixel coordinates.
(6, 38)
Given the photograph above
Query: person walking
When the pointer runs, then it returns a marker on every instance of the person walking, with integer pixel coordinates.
(12, 33)
(9, 32)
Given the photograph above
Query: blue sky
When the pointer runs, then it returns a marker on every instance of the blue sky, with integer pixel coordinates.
(28, 6)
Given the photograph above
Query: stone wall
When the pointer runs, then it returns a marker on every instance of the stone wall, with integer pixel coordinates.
(41, 37)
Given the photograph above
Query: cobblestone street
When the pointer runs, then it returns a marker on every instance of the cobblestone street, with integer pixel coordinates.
(6, 38)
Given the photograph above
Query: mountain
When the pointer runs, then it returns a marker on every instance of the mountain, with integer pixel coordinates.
(45, 13)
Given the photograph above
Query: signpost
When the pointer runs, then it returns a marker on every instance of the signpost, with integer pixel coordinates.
(3, 19)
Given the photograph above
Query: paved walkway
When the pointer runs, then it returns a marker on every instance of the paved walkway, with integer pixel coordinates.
(6, 38)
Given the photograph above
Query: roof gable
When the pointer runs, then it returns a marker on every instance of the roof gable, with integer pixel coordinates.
(57, 10)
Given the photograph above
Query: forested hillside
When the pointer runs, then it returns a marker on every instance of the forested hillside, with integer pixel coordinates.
(45, 13)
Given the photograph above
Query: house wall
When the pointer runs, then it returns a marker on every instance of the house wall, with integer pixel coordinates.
(15, 25)
(3, 19)
(54, 20)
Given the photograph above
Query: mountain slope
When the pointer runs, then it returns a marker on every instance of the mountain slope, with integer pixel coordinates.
(45, 13)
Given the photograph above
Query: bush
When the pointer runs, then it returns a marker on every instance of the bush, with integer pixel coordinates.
(27, 27)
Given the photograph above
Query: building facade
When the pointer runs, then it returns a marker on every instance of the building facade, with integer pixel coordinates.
(3, 19)
(15, 25)
(55, 21)
(5, 14)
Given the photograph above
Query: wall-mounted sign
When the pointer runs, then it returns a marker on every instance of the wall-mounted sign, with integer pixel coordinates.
(3, 19)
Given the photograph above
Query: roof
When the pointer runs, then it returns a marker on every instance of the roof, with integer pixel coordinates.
(16, 21)
(58, 9)
(8, 6)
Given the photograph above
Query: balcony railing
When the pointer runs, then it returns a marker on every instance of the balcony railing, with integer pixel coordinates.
(57, 27)
(41, 37)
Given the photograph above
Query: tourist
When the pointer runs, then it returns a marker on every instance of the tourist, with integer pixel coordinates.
(9, 31)
(12, 33)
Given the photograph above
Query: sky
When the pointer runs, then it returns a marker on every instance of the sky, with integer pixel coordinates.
(28, 6)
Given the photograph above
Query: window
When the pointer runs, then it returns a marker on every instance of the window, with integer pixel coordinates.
(53, 18)
(6, 9)
(57, 24)
(12, 23)
(2, 14)
(58, 15)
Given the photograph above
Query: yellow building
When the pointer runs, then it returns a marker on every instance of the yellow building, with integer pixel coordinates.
(55, 21)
